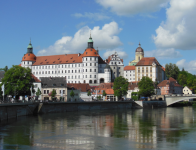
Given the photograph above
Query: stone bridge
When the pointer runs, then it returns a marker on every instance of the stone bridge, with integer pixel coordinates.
(168, 99)
(174, 98)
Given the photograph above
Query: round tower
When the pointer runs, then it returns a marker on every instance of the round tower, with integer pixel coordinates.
(90, 64)
(29, 58)
(107, 71)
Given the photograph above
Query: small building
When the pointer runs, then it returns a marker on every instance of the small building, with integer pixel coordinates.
(170, 86)
(76, 97)
(1, 77)
(57, 83)
(129, 73)
(186, 90)
(132, 87)
(83, 88)
(37, 85)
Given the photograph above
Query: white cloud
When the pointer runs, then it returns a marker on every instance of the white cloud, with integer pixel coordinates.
(188, 66)
(121, 54)
(131, 7)
(163, 53)
(95, 16)
(179, 29)
(104, 38)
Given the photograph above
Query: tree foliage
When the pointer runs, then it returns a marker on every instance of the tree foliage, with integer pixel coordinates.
(89, 93)
(4, 69)
(17, 80)
(135, 96)
(53, 93)
(72, 93)
(146, 87)
(171, 70)
(187, 79)
(120, 87)
(104, 93)
(38, 93)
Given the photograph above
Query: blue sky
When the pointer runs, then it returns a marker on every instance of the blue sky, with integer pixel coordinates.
(165, 29)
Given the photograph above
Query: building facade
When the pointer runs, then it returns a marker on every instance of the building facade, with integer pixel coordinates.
(88, 67)
(59, 84)
(116, 65)
(129, 73)
(170, 86)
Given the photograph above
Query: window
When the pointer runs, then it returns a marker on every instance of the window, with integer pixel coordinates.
(118, 67)
(42, 67)
(39, 67)
(55, 66)
(95, 70)
(86, 76)
(42, 72)
(75, 77)
(95, 81)
(68, 77)
(115, 63)
(114, 67)
(86, 70)
(90, 70)
(33, 72)
(75, 65)
(95, 64)
(68, 71)
(86, 58)
(72, 71)
(59, 91)
(58, 66)
(78, 65)
(90, 64)
(90, 58)
(68, 66)
(52, 72)
(86, 64)
(75, 71)
(36, 67)
(48, 72)
(63, 91)
(44, 91)
(47, 91)
(119, 72)
(79, 70)
(48, 67)
(45, 67)
(58, 71)
(114, 72)
(119, 63)
(94, 76)
(65, 66)
(62, 71)
(65, 71)
(45, 72)
(90, 76)
(79, 77)
(72, 77)
(72, 65)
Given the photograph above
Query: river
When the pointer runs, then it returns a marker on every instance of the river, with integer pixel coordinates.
(172, 128)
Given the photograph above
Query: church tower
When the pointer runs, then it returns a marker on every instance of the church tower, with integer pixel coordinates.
(139, 53)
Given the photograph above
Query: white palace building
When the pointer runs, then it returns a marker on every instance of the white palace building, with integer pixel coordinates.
(88, 67)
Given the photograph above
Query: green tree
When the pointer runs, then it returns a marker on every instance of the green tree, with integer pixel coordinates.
(17, 81)
(104, 93)
(99, 97)
(4, 69)
(135, 96)
(72, 94)
(53, 93)
(146, 87)
(1, 93)
(182, 79)
(171, 70)
(89, 93)
(38, 93)
(120, 87)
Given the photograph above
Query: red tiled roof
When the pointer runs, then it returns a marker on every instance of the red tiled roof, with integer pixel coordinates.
(133, 85)
(129, 68)
(90, 52)
(62, 59)
(147, 61)
(84, 87)
(163, 68)
(35, 78)
(19, 65)
(58, 59)
(170, 81)
(109, 91)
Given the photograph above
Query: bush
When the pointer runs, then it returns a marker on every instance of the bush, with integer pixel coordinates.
(135, 96)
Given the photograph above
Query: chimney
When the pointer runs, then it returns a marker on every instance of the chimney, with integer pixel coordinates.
(79, 54)
(97, 51)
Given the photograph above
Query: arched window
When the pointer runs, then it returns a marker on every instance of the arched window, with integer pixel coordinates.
(90, 81)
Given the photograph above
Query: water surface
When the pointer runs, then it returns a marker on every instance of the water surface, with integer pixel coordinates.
(165, 128)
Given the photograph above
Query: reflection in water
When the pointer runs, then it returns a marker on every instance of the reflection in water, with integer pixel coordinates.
(166, 128)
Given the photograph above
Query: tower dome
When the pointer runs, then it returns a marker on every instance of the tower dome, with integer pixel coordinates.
(29, 56)
(139, 49)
